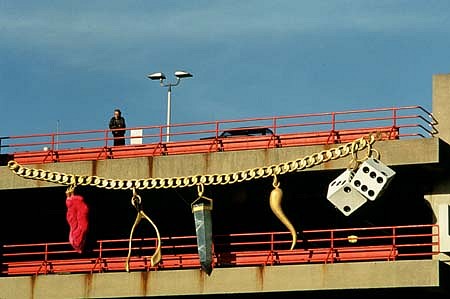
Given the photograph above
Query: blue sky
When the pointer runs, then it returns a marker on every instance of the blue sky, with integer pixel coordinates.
(73, 62)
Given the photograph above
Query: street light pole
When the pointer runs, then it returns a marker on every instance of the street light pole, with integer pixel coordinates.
(169, 95)
(161, 77)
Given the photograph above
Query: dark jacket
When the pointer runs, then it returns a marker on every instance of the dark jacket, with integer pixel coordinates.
(115, 124)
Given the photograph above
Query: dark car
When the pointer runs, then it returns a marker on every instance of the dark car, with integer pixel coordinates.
(243, 131)
(251, 131)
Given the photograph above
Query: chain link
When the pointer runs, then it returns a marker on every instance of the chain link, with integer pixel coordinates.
(208, 179)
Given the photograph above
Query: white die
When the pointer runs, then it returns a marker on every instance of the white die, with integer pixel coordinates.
(372, 178)
(343, 195)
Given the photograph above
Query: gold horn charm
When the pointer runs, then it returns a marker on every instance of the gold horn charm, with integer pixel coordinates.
(275, 205)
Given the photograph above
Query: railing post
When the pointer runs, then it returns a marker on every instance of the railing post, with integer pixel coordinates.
(217, 129)
(106, 138)
(272, 247)
(394, 117)
(394, 242)
(274, 125)
(160, 133)
(100, 255)
(394, 236)
(45, 258)
(331, 246)
(100, 248)
(333, 122)
(52, 148)
(436, 232)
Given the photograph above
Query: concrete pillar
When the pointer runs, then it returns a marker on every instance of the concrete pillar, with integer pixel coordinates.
(440, 198)
(440, 204)
(441, 105)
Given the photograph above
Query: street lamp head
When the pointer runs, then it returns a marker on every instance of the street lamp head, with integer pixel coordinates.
(182, 74)
(157, 76)
(161, 77)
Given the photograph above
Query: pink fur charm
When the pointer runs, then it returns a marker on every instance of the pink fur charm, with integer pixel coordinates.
(77, 217)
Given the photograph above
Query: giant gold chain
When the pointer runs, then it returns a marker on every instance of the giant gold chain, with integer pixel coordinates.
(199, 179)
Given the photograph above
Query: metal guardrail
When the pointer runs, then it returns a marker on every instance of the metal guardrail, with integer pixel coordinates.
(292, 130)
(386, 243)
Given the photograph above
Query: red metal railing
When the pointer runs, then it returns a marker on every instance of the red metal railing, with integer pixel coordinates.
(200, 137)
(251, 249)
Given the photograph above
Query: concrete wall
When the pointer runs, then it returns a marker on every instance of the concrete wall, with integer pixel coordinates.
(441, 104)
(439, 197)
(272, 279)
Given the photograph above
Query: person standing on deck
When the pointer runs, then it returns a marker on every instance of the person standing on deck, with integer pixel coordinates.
(117, 126)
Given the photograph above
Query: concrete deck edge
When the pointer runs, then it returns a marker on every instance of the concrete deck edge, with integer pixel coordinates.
(364, 275)
(395, 152)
